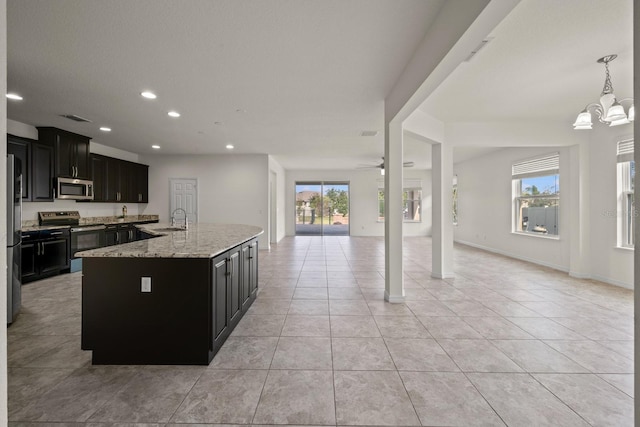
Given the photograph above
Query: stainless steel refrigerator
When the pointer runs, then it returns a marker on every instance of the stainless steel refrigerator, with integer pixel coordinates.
(14, 236)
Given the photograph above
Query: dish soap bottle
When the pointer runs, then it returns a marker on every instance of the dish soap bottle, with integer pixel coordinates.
(124, 211)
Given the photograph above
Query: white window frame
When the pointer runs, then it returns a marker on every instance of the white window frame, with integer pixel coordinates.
(546, 165)
(409, 186)
(626, 212)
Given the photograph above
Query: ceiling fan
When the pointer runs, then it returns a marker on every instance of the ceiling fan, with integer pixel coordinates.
(381, 166)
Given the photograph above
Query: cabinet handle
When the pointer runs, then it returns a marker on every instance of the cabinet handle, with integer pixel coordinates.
(42, 248)
(38, 248)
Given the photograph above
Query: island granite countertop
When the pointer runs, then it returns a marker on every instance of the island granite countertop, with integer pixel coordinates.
(199, 241)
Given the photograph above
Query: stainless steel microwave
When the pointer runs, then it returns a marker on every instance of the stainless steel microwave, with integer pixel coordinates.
(74, 189)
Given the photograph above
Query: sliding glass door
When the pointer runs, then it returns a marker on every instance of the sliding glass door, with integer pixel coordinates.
(322, 208)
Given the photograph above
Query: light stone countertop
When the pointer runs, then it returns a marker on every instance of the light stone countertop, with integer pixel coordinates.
(199, 241)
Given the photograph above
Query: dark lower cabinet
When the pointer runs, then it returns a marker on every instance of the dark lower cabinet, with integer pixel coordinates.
(119, 234)
(44, 254)
(221, 328)
(193, 306)
(249, 273)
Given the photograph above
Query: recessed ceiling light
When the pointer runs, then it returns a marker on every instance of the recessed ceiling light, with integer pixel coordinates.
(105, 129)
(14, 96)
(155, 147)
(229, 147)
(148, 95)
(173, 114)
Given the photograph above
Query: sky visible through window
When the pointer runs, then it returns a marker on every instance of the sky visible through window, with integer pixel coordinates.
(327, 187)
(538, 185)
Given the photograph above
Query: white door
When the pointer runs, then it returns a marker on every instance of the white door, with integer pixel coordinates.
(183, 194)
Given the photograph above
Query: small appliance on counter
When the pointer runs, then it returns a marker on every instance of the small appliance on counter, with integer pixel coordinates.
(14, 237)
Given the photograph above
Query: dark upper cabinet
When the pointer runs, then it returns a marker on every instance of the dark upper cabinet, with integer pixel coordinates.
(71, 152)
(21, 149)
(37, 168)
(118, 180)
(99, 177)
(42, 172)
(139, 183)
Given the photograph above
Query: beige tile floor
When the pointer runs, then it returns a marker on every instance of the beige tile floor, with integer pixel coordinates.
(504, 343)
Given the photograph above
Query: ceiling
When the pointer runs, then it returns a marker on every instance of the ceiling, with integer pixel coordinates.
(297, 79)
(541, 64)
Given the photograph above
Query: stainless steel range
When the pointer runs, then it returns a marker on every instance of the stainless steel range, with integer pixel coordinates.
(83, 237)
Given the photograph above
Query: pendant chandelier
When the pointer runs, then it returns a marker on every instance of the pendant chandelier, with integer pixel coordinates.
(609, 110)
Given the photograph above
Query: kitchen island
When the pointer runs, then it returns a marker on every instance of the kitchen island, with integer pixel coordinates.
(172, 299)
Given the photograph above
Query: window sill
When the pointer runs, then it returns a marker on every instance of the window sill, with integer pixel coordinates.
(624, 248)
(536, 236)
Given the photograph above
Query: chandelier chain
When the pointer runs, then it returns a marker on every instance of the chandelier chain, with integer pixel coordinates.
(608, 86)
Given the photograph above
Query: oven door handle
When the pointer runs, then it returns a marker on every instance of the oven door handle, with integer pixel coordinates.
(90, 228)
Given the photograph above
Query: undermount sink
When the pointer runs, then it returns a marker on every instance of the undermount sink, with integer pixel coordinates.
(169, 229)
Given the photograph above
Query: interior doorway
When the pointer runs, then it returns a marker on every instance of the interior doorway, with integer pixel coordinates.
(322, 208)
(183, 194)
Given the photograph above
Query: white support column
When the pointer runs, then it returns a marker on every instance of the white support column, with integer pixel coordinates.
(442, 261)
(394, 280)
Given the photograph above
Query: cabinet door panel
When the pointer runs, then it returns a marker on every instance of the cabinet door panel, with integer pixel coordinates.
(233, 268)
(28, 264)
(246, 276)
(21, 148)
(64, 157)
(42, 173)
(220, 300)
(81, 157)
(99, 177)
(253, 268)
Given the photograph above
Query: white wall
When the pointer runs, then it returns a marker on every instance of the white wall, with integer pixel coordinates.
(608, 263)
(275, 169)
(363, 212)
(231, 188)
(485, 208)
(30, 209)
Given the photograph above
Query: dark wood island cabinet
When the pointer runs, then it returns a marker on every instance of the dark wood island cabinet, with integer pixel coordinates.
(168, 300)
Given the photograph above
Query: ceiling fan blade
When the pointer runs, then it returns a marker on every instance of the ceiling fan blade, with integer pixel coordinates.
(367, 166)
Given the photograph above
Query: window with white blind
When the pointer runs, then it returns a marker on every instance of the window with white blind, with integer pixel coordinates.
(626, 203)
(536, 195)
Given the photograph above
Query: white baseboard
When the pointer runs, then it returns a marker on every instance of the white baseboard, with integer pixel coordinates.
(511, 255)
(394, 299)
(443, 275)
(612, 282)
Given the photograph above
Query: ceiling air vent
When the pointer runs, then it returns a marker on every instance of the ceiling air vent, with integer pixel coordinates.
(75, 118)
(369, 133)
(478, 48)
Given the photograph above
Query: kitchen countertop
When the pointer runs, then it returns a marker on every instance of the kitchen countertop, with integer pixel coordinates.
(32, 225)
(199, 241)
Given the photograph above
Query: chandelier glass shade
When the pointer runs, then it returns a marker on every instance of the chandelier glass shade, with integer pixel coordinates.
(609, 110)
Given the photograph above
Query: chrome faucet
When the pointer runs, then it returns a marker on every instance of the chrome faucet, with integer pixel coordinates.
(173, 218)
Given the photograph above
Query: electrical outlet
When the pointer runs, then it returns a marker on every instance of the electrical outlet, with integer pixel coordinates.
(145, 284)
